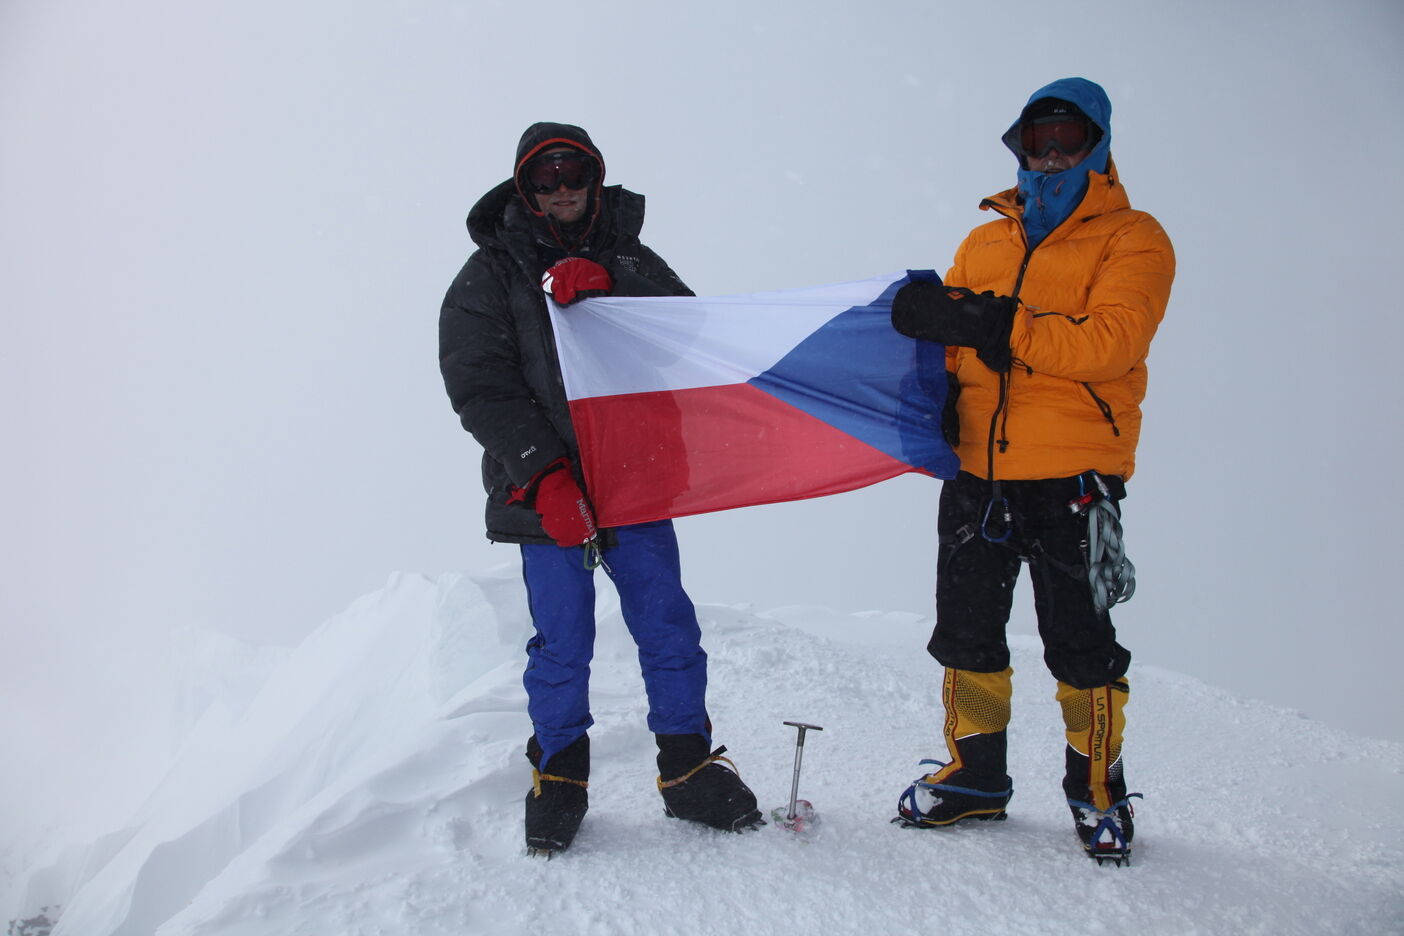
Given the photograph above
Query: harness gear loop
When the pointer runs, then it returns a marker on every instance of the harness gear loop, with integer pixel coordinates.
(962, 536)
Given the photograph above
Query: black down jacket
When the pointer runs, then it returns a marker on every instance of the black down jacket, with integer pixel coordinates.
(496, 349)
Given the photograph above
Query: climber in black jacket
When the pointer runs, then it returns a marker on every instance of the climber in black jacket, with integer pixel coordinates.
(555, 229)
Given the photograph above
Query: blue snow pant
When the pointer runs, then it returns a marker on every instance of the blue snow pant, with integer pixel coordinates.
(645, 569)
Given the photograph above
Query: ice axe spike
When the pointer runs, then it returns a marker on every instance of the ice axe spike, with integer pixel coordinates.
(799, 756)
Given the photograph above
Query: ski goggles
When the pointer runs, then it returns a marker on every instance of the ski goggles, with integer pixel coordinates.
(1067, 134)
(549, 171)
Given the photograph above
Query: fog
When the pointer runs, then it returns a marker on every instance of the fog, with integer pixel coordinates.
(226, 228)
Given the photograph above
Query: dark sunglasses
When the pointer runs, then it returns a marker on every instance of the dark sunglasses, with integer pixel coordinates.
(1068, 135)
(545, 173)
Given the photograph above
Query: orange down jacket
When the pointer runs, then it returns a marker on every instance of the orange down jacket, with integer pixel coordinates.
(1091, 295)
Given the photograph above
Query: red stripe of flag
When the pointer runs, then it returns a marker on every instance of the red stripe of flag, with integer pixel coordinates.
(652, 456)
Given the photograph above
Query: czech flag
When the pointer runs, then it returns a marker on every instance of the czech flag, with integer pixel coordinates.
(684, 405)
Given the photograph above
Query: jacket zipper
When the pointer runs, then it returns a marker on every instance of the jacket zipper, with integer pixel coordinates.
(1105, 407)
(1001, 408)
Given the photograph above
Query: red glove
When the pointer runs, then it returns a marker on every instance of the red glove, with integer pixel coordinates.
(576, 278)
(565, 514)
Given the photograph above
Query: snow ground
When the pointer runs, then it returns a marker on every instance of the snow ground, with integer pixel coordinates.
(370, 782)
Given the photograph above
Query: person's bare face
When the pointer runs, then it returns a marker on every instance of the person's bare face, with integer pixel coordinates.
(566, 205)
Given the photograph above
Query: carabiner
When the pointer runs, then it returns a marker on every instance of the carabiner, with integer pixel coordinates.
(594, 555)
(1006, 515)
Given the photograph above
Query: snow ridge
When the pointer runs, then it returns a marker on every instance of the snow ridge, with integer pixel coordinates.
(372, 785)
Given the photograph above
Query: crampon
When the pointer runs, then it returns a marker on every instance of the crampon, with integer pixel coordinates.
(1106, 836)
(927, 804)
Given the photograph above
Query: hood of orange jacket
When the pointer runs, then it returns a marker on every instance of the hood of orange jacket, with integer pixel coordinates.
(1050, 197)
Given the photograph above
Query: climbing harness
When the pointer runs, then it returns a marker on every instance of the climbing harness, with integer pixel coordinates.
(1111, 575)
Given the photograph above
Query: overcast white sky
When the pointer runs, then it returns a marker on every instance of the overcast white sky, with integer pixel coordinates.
(226, 228)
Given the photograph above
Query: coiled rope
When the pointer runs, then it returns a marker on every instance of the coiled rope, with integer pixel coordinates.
(1111, 574)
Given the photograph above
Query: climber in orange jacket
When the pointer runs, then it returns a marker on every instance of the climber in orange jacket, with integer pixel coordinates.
(1047, 316)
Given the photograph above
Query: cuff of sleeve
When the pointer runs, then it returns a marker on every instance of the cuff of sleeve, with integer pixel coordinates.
(524, 493)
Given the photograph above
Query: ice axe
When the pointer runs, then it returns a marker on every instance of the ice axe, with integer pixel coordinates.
(800, 817)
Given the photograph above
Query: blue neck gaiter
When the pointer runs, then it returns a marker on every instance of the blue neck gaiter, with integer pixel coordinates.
(1049, 198)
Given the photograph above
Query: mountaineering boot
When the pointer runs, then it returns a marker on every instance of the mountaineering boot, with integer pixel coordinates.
(1093, 778)
(557, 800)
(930, 802)
(696, 787)
(973, 784)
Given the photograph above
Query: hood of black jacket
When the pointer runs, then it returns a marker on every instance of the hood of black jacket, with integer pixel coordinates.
(545, 135)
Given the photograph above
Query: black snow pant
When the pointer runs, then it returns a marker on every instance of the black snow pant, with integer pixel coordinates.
(975, 579)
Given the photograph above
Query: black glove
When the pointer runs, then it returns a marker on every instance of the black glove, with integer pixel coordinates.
(953, 315)
(950, 418)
